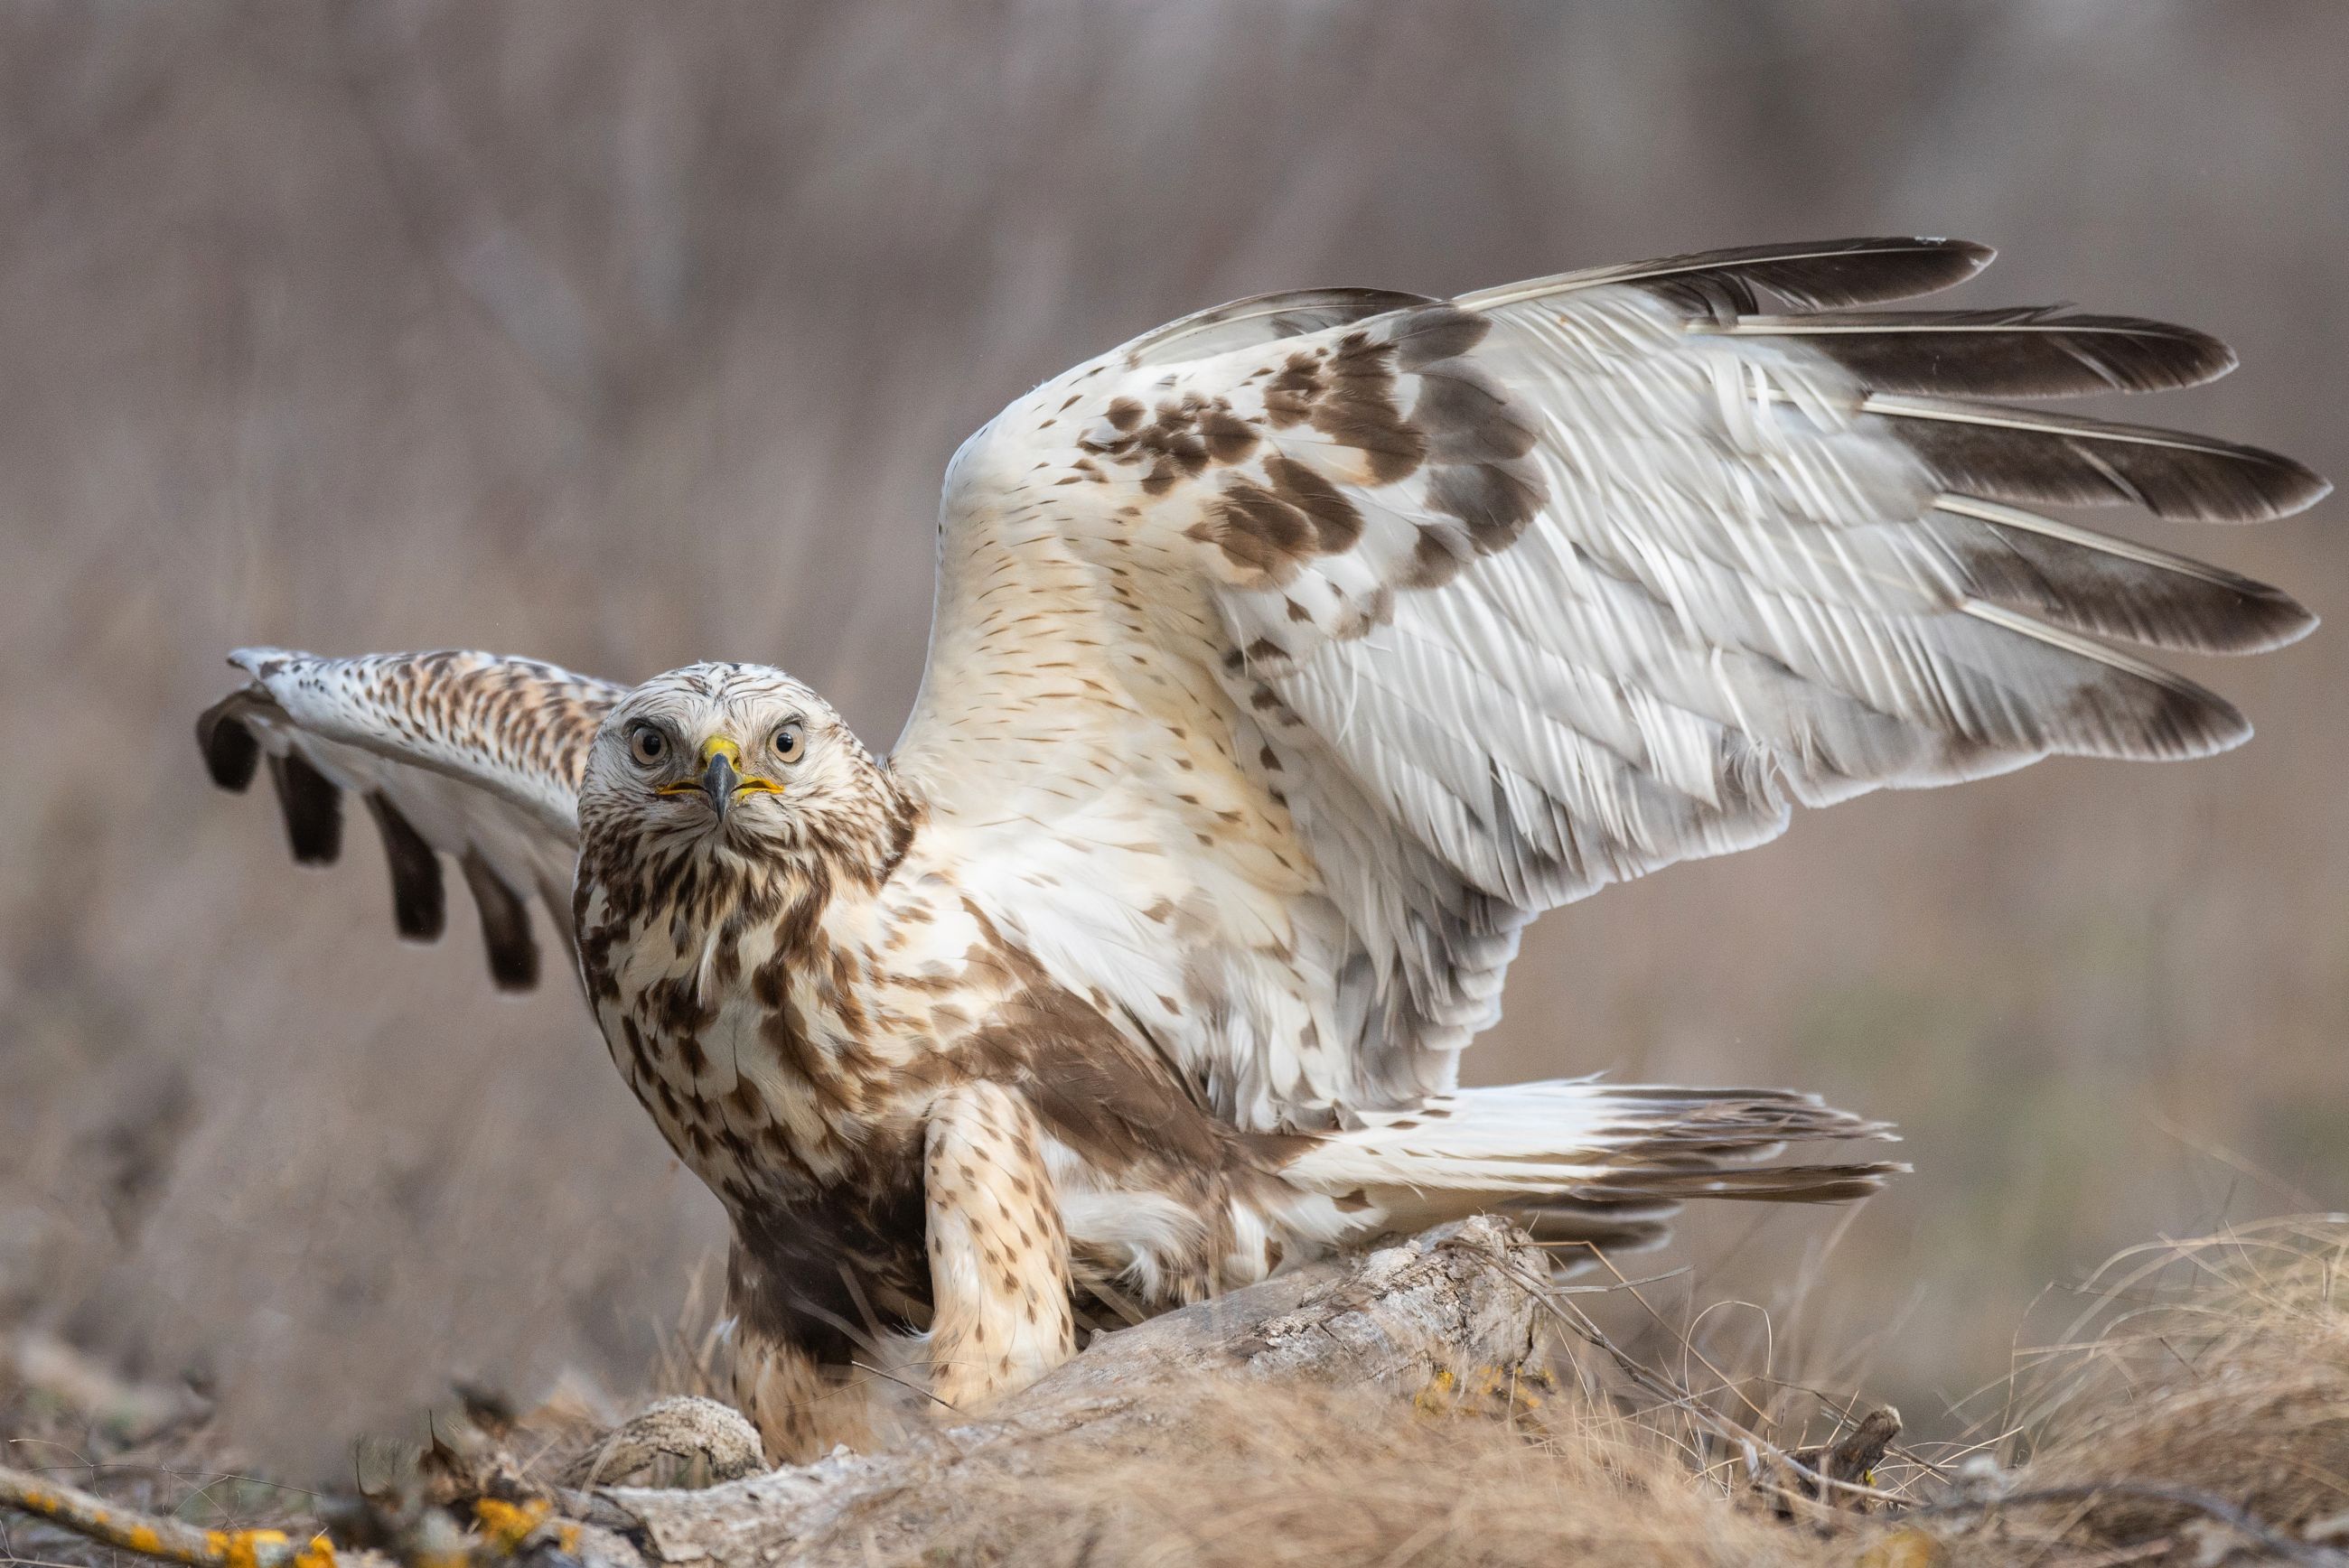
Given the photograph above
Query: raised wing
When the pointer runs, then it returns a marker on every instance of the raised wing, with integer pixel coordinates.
(465, 755)
(1353, 629)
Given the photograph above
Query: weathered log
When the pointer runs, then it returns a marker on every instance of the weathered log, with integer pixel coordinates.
(1455, 1301)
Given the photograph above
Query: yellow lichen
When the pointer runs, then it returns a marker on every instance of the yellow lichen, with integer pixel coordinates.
(242, 1548)
(1435, 1396)
(504, 1524)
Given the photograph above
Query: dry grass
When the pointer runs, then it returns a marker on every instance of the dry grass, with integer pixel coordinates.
(2196, 1411)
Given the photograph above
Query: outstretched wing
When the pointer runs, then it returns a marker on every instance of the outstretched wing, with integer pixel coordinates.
(465, 755)
(1339, 633)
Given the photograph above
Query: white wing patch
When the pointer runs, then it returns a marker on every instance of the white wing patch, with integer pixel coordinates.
(1327, 638)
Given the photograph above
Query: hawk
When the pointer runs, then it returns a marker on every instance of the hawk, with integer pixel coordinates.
(1286, 661)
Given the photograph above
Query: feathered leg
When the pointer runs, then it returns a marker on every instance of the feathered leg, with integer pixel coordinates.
(801, 1406)
(998, 1255)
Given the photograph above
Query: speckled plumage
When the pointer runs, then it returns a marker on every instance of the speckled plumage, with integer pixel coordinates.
(1287, 662)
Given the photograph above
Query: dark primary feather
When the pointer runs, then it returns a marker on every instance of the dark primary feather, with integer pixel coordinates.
(420, 900)
(313, 808)
(2073, 576)
(2021, 455)
(231, 754)
(506, 926)
(2035, 352)
(2133, 710)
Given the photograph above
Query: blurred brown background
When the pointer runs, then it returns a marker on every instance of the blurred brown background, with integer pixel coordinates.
(625, 336)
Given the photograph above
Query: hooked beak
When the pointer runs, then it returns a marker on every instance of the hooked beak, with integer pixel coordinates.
(719, 778)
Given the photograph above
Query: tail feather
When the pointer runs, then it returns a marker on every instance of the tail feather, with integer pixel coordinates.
(1584, 1159)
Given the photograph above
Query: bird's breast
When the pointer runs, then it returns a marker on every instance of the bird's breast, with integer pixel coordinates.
(767, 1063)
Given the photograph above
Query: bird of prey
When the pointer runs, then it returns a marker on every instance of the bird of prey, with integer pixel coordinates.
(1286, 661)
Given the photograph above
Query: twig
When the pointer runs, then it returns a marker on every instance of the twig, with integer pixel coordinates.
(154, 1535)
(891, 1378)
(1753, 1446)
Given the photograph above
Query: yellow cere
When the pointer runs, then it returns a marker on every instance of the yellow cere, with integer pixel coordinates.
(744, 783)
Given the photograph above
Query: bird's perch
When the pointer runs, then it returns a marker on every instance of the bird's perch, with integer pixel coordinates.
(1454, 1301)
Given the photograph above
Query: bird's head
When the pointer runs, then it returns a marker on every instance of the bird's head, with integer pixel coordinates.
(741, 758)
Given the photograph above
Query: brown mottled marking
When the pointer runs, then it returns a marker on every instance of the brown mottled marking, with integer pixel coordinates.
(1496, 500)
(1229, 439)
(1359, 410)
(1467, 418)
(1336, 525)
(1433, 559)
(1289, 396)
(1274, 528)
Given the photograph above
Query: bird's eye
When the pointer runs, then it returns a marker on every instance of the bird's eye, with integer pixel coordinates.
(790, 740)
(648, 745)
